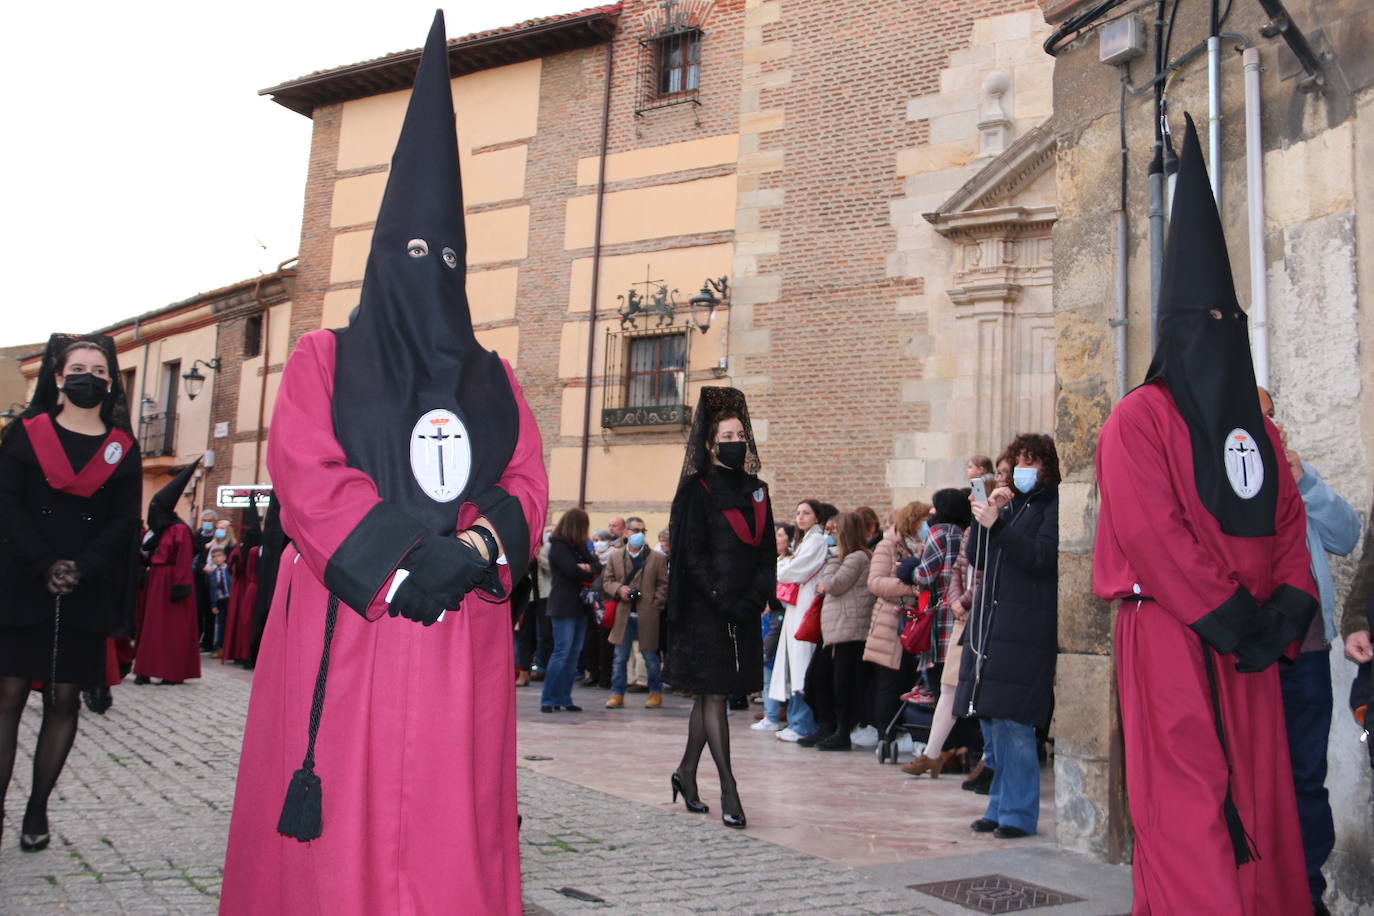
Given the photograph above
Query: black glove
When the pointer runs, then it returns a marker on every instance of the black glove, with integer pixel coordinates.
(906, 570)
(62, 577)
(441, 571)
(1282, 620)
(181, 592)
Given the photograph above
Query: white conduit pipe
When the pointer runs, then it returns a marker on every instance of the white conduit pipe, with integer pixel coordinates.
(1254, 192)
(1214, 115)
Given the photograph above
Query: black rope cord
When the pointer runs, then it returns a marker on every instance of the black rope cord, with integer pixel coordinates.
(1242, 844)
(302, 812)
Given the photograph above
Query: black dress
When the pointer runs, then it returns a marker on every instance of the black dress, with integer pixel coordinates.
(718, 583)
(40, 525)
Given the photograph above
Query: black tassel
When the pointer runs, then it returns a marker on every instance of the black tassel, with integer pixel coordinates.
(1242, 844)
(301, 816)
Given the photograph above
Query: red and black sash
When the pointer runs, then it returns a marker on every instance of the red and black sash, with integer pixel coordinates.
(737, 521)
(58, 470)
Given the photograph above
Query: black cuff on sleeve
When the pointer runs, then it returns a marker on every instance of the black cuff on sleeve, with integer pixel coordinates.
(1225, 626)
(508, 516)
(370, 554)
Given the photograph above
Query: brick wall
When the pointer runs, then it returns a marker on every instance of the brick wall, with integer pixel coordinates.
(828, 380)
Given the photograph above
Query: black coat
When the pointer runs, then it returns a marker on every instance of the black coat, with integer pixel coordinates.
(40, 525)
(718, 586)
(1015, 626)
(565, 591)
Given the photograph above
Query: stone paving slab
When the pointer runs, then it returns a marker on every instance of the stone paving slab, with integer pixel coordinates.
(141, 814)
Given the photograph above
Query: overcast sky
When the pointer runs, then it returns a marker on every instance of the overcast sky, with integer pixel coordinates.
(141, 167)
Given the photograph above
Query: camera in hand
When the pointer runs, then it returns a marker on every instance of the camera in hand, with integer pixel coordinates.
(635, 595)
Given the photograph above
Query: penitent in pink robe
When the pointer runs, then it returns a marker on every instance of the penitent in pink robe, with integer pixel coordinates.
(416, 746)
(1153, 531)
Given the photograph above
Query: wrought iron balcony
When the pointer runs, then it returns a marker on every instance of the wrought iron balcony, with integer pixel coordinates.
(658, 415)
(157, 435)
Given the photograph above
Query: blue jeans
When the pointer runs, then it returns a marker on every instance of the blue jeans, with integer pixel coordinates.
(1306, 686)
(568, 636)
(653, 665)
(1014, 799)
(771, 707)
(799, 717)
(988, 760)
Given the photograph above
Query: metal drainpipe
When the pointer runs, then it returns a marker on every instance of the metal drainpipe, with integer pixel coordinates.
(596, 278)
(1254, 192)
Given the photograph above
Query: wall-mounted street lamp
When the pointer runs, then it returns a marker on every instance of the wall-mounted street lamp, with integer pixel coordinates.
(704, 303)
(12, 411)
(194, 380)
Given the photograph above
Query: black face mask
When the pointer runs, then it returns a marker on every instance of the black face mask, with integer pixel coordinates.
(85, 390)
(731, 454)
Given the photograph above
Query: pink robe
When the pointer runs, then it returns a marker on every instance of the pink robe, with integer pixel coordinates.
(169, 631)
(243, 594)
(416, 747)
(1153, 530)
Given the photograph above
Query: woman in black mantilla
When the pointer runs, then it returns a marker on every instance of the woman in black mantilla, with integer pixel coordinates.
(723, 573)
(70, 487)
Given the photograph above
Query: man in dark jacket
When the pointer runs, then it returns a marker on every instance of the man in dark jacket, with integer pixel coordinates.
(637, 578)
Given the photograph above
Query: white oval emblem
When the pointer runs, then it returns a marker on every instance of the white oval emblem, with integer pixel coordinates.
(440, 455)
(758, 495)
(1244, 467)
(113, 452)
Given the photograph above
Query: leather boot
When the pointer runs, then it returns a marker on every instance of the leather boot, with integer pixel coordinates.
(522, 677)
(654, 701)
(615, 702)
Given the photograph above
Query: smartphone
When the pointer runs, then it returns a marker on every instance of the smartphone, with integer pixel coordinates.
(980, 493)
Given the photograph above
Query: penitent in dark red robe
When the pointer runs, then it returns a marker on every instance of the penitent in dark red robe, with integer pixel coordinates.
(416, 747)
(1154, 532)
(169, 631)
(243, 595)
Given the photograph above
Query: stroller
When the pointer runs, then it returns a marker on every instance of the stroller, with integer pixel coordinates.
(915, 718)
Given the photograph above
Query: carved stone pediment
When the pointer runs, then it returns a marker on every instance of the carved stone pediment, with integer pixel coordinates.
(985, 205)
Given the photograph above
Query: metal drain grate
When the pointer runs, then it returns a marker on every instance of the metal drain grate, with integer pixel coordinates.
(995, 894)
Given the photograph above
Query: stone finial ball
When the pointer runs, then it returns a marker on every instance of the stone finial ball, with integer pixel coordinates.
(997, 83)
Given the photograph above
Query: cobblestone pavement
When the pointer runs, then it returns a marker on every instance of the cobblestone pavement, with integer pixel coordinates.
(140, 816)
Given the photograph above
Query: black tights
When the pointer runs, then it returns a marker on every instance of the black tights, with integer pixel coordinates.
(60, 711)
(707, 727)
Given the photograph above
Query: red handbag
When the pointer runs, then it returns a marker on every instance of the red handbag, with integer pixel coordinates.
(787, 592)
(607, 616)
(920, 621)
(809, 630)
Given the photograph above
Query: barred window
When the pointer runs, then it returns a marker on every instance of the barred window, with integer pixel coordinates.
(679, 62)
(656, 370)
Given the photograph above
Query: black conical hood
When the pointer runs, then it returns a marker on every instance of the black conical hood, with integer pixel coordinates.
(250, 530)
(419, 405)
(162, 508)
(1202, 354)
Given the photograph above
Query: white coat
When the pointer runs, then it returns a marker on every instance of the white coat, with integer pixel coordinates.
(794, 656)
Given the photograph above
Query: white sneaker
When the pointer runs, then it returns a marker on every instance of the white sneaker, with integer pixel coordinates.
(905, 745)
(766, 725)
(788, 735)
(864, 737)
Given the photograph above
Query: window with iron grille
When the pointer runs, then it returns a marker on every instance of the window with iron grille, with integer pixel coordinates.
(646, 378)
(679, 62)
(669, 70)
(252, 336)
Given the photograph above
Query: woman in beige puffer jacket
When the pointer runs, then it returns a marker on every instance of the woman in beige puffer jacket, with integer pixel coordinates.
(832, 684)
(883, 647)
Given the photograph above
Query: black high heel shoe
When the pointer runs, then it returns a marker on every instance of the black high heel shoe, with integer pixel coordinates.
(694, 805)
(736, 821)
(34, 842)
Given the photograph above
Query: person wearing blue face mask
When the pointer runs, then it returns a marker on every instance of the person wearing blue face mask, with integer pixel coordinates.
(1006, 675)
(203, 539)
(636, 577)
